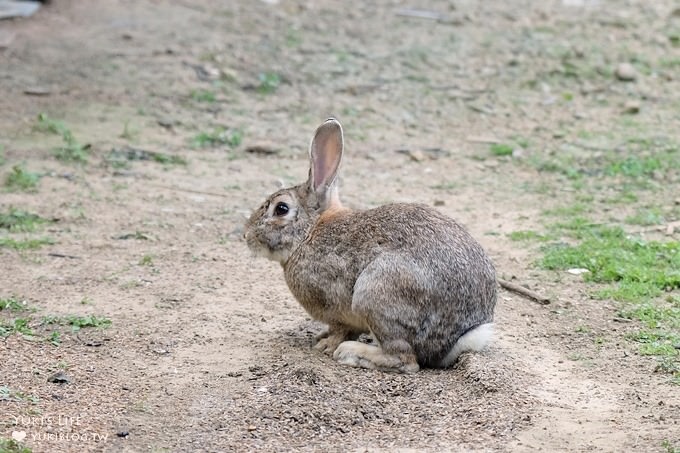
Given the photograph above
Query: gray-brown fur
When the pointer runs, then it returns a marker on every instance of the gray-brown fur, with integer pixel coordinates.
(406, 273)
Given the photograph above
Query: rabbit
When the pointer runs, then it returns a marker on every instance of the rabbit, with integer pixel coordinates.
(404, 273)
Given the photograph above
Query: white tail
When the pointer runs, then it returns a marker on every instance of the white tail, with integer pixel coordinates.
(474, 340)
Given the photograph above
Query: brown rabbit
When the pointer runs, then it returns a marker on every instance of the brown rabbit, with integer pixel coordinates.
(405, 273)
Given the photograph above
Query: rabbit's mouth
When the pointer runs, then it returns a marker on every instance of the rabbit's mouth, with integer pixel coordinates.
(279, 254)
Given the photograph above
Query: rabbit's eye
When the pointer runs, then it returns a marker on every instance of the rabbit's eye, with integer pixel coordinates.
(281, 209)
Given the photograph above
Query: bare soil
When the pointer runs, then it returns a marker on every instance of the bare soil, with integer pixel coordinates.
(207, 350)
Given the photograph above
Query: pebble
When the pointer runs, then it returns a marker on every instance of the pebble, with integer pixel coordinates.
(631, 107)
(626, 72)
(59, 378)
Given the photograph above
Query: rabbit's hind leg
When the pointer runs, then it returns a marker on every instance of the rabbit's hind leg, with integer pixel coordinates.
(399, 359)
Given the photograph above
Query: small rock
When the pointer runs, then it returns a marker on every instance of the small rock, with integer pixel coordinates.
(439, 202)
(167, 123)
(577, 271)
(263, 148)
(123, 434)
(631, 107)
(59, 378)
(252, 427)
(626, 72)
(416, 155)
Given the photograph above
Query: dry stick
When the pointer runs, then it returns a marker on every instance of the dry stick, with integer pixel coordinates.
(522, 291)
(61, 255)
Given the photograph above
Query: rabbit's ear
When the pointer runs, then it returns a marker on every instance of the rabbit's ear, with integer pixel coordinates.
(325, 155)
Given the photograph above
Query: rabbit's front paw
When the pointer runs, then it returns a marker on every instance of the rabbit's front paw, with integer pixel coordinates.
(328, 345)
(328, 340)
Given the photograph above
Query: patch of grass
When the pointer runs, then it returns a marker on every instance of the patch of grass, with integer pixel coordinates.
(146, 260)
(54, 338)
(11, 303)
(569, 210)
(634, 166)
(444, 186)
(654, 316)
(669, 448)
(2, 155)
(624, 196)
(7, 394)
(72, 150)
(20, 179)
(12, 446)
(613, 257)
(203, 96)
(120, 158)
(293, 37)
(18, 325)
(26, 244)
(77, 322)
(501, 149)
(19, 220)
(218, 136)
(527, 235)
(637, 159)
(633, 271)
(269, 82)
(646, 217)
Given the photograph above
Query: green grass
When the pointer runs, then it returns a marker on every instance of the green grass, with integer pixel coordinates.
(269, 82)
(121, 158)
(12, 446)
(646, 217)
(18, 325)
(7, 394)
(203, 96)
(501, 149)
(611, 256)
(527, 235)
(631, 270)
(669, 448)
(72, 150)
(445, 186)
(568, 210)
(217, 137)
(146, 260)
(638, 160)
(26, 244)
(18, 220)
(77, 322)
(20, 179)
(11, 303)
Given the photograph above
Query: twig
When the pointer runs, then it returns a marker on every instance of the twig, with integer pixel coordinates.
(200, 192)
(61, 255)
(522, 291)
(419, 13)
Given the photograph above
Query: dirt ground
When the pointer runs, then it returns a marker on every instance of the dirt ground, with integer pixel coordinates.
(207, 350)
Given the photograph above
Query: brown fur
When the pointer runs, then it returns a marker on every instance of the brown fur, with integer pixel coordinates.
(406, 273)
